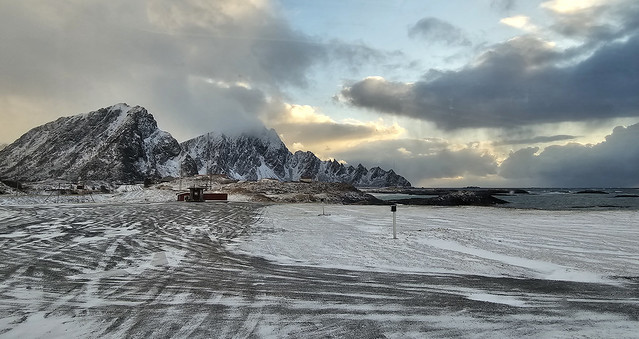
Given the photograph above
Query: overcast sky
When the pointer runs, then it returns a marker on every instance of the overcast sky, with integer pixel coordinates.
(448, 93)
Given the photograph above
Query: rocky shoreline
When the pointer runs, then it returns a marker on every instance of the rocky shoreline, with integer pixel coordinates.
(271, 191)
(340, 193)
(455, 198)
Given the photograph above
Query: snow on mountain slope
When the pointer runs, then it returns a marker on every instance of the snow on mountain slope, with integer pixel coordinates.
(124, 143)
(259, 154)
(117, 143)
(250, 155)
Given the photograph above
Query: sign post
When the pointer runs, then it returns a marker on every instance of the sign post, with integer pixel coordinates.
(394, 210)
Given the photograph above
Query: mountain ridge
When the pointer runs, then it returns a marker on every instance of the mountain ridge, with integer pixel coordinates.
(117, 142)
(272, 159)
(124, 143)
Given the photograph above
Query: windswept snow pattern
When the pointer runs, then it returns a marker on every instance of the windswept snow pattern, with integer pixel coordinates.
(200, 270)
(583, 246)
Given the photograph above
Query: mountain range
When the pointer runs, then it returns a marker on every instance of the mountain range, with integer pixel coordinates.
(124, 143)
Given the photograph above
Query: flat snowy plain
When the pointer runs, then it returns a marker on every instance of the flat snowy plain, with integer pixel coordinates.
(168, 269)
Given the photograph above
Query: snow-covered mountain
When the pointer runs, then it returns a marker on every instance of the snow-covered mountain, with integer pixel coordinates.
(114, 143)
(124, 143)
(259, 154)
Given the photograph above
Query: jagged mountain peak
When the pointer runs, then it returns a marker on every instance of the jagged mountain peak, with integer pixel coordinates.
(118, 142)
(267, 137)
(249, 155)
(124, 143)
(260, 153)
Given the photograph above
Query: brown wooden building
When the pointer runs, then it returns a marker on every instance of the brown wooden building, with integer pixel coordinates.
(197, 194)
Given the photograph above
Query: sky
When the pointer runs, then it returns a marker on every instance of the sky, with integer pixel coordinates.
(491, 93)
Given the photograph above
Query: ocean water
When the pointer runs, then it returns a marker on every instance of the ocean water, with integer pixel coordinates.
(559, 198)
(570, 199)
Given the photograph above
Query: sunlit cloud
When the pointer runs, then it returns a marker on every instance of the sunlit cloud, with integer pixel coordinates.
(521, 22)
(304, 127)
(305, 114)
(403, 150)
(570, 6)
(297, 146)
(423, 159)
(210, 15)
(567, 78)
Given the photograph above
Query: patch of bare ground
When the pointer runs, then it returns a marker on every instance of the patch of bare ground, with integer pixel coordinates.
(299, 192)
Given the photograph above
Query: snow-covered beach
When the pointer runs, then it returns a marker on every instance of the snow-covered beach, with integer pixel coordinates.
(169, 269)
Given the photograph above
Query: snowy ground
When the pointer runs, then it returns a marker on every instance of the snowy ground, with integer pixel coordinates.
(579, 246)
(122, 194)
(112, 269)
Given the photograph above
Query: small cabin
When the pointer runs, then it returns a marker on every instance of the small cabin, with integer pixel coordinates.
(197, 194)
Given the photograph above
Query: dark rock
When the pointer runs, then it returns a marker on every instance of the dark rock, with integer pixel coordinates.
(591, 192)
(458, 198)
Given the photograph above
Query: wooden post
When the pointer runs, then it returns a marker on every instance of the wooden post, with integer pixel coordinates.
(394, 210)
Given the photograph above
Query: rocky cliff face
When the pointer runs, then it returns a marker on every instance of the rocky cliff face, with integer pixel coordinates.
(248, 156)
(114, 143)
(124, 143)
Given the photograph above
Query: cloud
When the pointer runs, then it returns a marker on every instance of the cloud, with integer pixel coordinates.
(355, 55)
(520, 22)
(435, 30)
(611, 163)
(594, 21)
(570, 6)
(306, 125)
(513, 84)
(221, 39)
(533, 140)
(379, 94)
(503, 5)
(192, 63)
(421, 160)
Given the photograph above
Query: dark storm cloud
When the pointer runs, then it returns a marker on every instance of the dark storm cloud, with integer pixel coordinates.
(378, 94)
(612, 163)
(513, 84)
(436, 30)
(188, 62)
(533, 140)
(421, 159)
(161, 54)
(598, 24)
(230, 39)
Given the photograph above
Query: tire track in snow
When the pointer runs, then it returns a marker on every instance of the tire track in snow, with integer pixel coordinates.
(158, 270)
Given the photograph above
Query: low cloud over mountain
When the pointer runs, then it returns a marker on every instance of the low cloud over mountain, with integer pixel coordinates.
(123, 143)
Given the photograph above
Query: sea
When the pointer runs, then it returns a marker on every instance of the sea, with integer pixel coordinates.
(556, 198)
